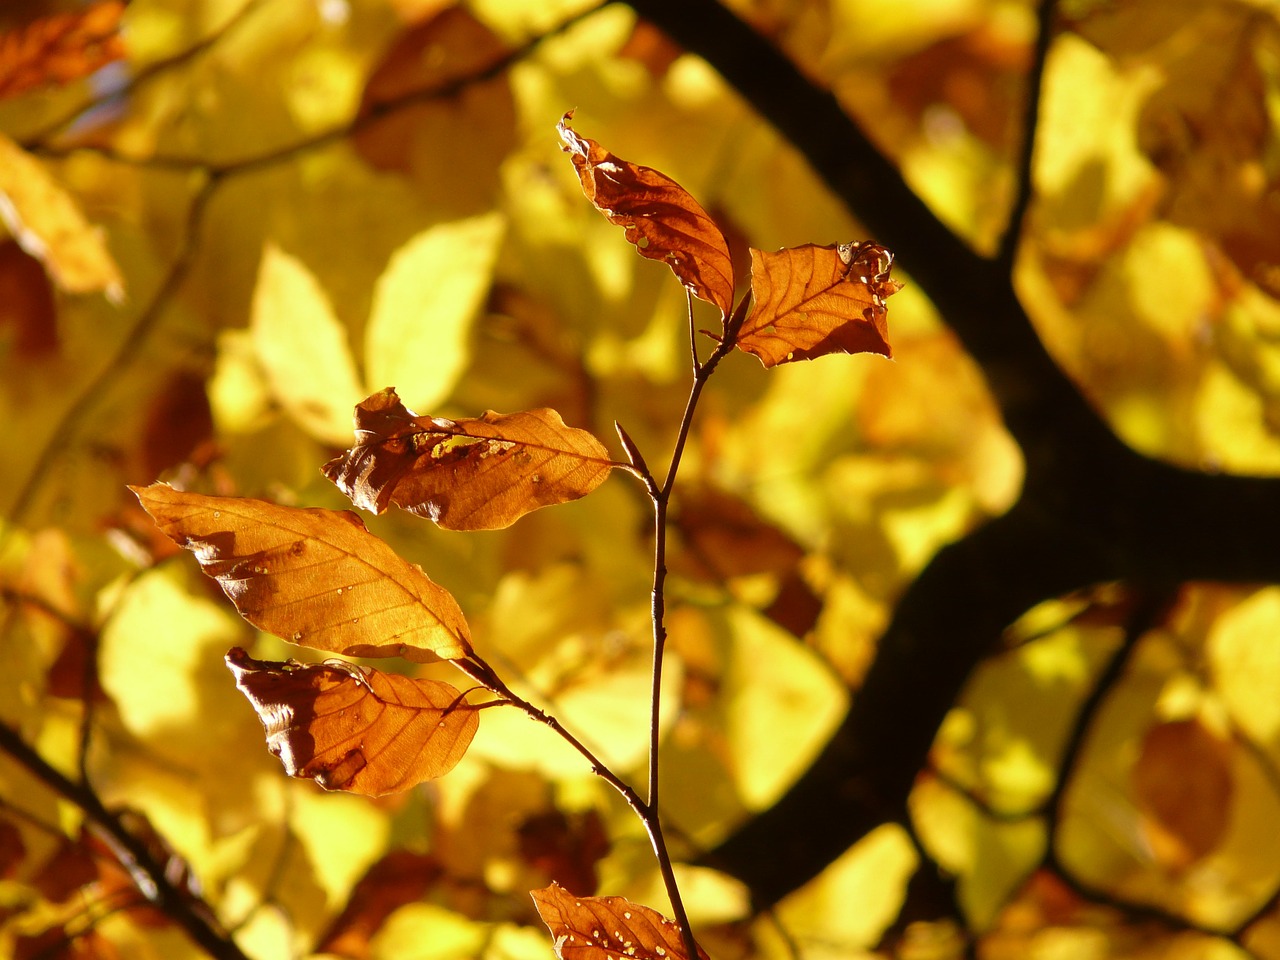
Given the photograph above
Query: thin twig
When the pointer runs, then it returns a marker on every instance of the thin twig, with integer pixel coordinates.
(185, 909)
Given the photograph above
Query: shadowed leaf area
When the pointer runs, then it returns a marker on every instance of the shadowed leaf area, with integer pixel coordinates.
(356, 729)
(471, 474)
(313, 577)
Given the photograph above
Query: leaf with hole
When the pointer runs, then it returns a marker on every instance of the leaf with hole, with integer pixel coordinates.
(315, 577)
(596, 928)
(659, 216)
(472, 474)
(355, 728)
(811, 301)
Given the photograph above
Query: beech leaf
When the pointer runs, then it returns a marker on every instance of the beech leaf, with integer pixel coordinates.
(354, 728)
(596, 928)
(471, 474)
(812, 300)
(315, 577)
(659, 216)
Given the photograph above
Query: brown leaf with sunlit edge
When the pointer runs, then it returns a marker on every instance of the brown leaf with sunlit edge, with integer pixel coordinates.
(355, 728)
(812, 300)
(312, 576)
(594, 928)
(472, 474)
(60, 48)
(658, 215)
(1183, 785)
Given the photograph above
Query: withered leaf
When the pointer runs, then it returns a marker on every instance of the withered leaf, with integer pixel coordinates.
(659, 216)
(470, 474)
(354, 728)
(315, 577)
(60, 48)
(400, 877)
(594, 928)
(811, 301)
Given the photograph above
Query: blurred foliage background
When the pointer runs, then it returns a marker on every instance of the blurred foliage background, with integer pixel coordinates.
(974, 652)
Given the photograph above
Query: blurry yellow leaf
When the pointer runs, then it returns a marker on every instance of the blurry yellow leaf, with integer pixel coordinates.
(422, 931)
(47, 221)
(1246, 663)
(303, 347)
(342, 835)
(424, 305)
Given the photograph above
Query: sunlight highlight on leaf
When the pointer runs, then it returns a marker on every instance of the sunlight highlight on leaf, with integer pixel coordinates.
(303, 347)
(48, 223)
(811, 301)
(424, 305)
(356, 729)
(314, 577)
(471, 474)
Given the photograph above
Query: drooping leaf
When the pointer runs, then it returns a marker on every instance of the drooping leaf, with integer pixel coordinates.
(596, 928)
(472, 474)
(812, 300)
(659, 216)
(314, 577)
(356, 729)
(49, 224)
(60, 48)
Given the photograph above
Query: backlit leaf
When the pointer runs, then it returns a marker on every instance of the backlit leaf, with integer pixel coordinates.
(315, 577)
(60, 48)
(812, 300)
(354, 728)
(472, 474)
(49, 224)
(659, 217)
(596, 928)
(1182, 783)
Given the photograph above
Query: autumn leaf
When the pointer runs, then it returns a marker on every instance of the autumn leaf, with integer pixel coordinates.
(354, 728)
(659, 216)
(811, 301)
(48, 223)
(1185, 817)
(60, 48)
(471, 474)
(595, 928)
(315, 577)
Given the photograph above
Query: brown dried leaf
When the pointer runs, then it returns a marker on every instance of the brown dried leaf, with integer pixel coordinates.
(315, 577)
(356, 729)
(595, 928)
(60, 48)
(1183, 785)
(659, 217)
(473, 474)
(400, 877)
(565, 846)
(813, 300)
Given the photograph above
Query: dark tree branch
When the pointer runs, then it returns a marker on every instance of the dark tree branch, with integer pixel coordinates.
(1091, 510)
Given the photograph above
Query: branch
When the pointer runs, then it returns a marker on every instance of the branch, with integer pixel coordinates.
(190, 913)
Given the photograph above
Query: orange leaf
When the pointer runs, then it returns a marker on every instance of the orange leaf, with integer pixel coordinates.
(315, 577)
(596, 928)
(60, 48)
(1182, 784)
(659, 217)
(810, 301)
(474, 474)
(356, 729)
